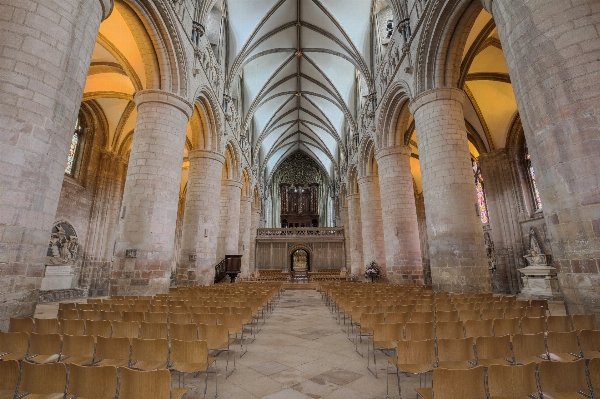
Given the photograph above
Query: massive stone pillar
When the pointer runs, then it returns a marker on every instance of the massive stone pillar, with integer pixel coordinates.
(46, 49)
(400, 225)
(355, 236)
(456, 246)
(244, 238)
(200, 219)
(346, 225)
(229, 222)
(371, 221)
(254, 226)
(551, 49)
(145, 246)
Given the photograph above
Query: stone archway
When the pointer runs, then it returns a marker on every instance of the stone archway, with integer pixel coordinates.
(299, 254)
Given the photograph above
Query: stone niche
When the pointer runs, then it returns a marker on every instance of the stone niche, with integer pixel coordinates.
(61, 259)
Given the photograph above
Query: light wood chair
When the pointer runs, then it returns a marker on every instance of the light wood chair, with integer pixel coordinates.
(594, 369)
(464, 306)
(537, 311)
(125, 329)
(122, 307)
(563, 346)
(559, 323)
(479, 328)
(235, 326)
(21, 324)
(543, 303)
(9, 370)
(149, 354)
(13, 345)
(85, 306)
(506, 327)
(148, 385)
(45, 326)
(217, 339)
(563, 379)
(154, 331)
(206, 318)
(180, 318)
(529, 348)
(71, 327)
(512, 382)
(385, 337)
(458, 354)
(152, 317)
(397, 317)
(444, 307)
(78, 349)
(418, 331)
(68, 314)
(491, 314)
(449, 329)
(159, 309)
(43, 381)
(422, 317)
(98, 328)
(102, 307)
(453, 384)
(589, 341)
(533, 325)
(412, 357)
(446, 316)
(44, 348)
(133, 316)
(111, 315)
(92, 382)
(465, 315)
(67, 305)
(183, 332)
(192, 357)
(139, 308)
(584, 322)
(514, 313)
(493, 350)
(112, 352)
(89, 315)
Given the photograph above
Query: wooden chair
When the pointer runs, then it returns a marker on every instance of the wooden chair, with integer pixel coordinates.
(512, 382)
(98, 328)
(537, 311)
(506, 327)
(493, 350)
(412, 357)
(150, 354)
(559, 323)
(120, 308)
(465, 315)
(68, 314)
(456, 353)
(529, 348)
(9, 370)
(422, 317)
(533, 325)
(584, 322)
(91, 315)
(235, 326)
(152, 317)
(45, 326)
(563, 346)
(590, 344)
(491, 314)
(111, 316)
(112, 352)
(484, 305)
(44, 348)
(217, 339)
(13, 345)
(464, 306)
(21, 324)
(501, 305)
(479, 328)
(205, 318)
(192, 357)
(71, 327)
(133, 316)
(43, 381)
(78, 349)
(84, 306)
(102, 307)
(543, 303)
(148, 385)
(92, 382)
(183, 332)
(520, 304)
(139, 308)
(396, 317)
(454, 384)
(125, 329)
(594, 369)
(446, 316)
(154, 331)
(563, 379)
(444, 307)
(67, 305)
(180, 318)
(514, 313)
(449, 329)
(418, 331)
(385, 336)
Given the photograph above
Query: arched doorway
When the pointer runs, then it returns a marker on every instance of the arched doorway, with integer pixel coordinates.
(300, 260)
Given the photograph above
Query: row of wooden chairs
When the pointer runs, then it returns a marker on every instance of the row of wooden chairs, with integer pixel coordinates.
(181, 316)
(547, 380)
(54, 381)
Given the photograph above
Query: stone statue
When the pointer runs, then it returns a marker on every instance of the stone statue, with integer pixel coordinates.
(535, 257)
(63, 245)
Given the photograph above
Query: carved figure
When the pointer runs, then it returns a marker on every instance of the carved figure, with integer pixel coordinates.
(535, 256)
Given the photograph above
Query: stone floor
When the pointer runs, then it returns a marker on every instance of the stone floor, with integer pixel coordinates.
(301, 352)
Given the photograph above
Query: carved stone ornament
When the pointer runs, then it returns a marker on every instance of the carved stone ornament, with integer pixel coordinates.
(539, 278)
(63, 246)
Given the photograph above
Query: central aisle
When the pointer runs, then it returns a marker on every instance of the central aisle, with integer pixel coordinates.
(300, 353)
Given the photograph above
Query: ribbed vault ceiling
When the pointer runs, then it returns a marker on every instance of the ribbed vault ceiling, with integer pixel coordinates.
(299, 61)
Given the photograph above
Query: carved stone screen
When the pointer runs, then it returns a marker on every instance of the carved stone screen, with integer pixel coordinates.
(299, 205)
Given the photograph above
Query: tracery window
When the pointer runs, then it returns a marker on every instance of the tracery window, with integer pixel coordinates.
(75, 141)
(533, 187)
(479, 188)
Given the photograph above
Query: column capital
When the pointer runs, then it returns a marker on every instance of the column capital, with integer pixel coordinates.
(441, 93)
(367, 179)
(398, 149)
(206, 154)
(232, 183)
(164, 97)
(107, 7)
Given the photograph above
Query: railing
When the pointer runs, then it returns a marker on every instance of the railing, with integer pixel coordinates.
(302, 232)
(220, 271)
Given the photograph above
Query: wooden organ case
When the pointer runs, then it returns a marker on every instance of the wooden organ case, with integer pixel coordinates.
(299, 205)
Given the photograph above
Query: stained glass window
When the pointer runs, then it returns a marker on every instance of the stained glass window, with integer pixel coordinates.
(481, 201)
(533, 187)
(73, 150)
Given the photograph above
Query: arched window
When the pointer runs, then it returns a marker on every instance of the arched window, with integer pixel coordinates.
(531, 180)
(479, 188)
(73, 151)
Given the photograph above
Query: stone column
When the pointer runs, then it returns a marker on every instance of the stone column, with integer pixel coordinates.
(46, 49)
(371, 221)
(201, 219)
(346, 225)
(229, 220)
(551, 49)
(254, 226)
(355, 236)
(151, 196)
(400, 225)
(456, 246)
(244, 238)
